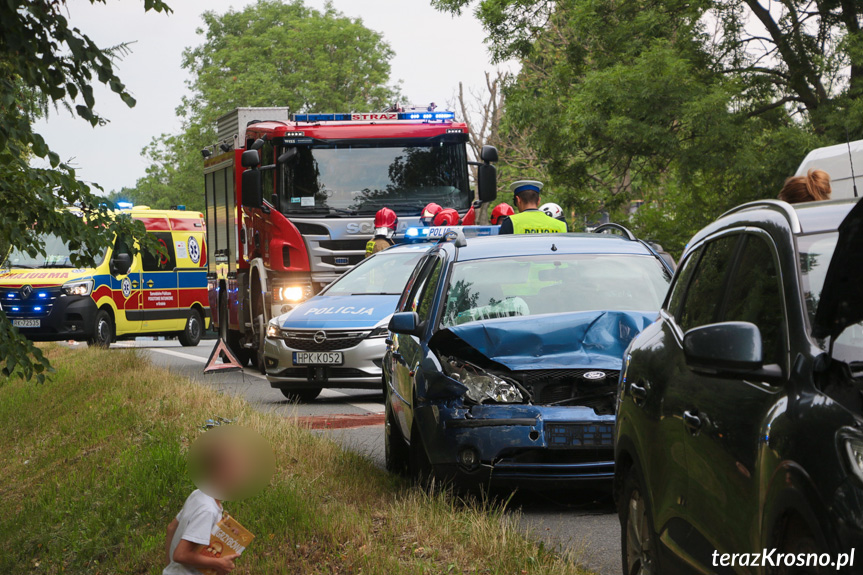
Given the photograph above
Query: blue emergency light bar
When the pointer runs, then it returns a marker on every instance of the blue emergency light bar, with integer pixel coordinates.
(375, 117)
(435, 233)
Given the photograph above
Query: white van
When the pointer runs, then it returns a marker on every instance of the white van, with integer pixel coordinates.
(836, 161)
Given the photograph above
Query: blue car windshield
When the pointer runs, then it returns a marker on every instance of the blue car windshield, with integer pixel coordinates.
(529, 286)
(383, 274)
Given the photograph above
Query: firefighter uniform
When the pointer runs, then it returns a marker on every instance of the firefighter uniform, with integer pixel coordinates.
(377, 244)
(532, 222)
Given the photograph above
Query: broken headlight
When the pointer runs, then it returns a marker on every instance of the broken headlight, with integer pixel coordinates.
(481, 385)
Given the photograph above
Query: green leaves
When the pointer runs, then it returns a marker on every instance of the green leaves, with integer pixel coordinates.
(42, 61)
(684, 108)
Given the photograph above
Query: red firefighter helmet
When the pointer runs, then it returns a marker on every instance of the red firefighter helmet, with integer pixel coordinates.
(386, 222)
(446, 217)
(469, 218)
(429, 213)
(501, 211)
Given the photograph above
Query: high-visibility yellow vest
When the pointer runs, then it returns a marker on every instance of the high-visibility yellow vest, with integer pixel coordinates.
(536, 222)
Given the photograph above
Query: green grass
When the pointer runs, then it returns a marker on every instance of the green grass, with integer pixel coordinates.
(92, 468)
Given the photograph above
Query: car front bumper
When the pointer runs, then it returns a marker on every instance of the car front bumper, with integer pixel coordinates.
(361, 368)
(70, 318)
(518, 444)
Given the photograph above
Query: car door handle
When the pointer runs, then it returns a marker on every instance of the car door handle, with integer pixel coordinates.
(639, 393)
(149, 283)
(692, 421)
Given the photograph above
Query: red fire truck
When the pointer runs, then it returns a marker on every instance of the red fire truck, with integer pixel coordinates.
(291, 199)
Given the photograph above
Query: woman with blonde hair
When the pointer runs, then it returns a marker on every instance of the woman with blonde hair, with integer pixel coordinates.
(813, 187)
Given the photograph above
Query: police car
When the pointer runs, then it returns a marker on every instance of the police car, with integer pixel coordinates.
(337, 338)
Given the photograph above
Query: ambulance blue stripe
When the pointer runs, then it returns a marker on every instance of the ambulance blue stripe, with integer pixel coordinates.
(194, 279)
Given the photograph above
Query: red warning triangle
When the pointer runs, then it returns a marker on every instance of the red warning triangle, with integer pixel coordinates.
(228, 360)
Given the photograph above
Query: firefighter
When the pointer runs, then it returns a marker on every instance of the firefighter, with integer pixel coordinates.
(386, 223)
(553, 210)
(501, 212)
(529, 219)
(429, 213)
(446, 217)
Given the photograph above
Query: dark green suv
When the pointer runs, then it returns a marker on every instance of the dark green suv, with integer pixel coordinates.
(739, 414)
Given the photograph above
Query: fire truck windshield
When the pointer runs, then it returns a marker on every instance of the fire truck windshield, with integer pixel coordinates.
(362, 178)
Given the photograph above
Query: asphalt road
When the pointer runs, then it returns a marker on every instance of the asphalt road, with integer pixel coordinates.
(583, 523)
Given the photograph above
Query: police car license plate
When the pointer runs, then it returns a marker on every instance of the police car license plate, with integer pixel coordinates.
(27, 323)
(318, 358)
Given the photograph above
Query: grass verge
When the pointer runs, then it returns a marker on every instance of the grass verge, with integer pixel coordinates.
(92, 468)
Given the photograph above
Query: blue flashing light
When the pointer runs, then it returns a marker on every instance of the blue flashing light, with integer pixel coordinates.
(16, 309)
(376, 116)
(427, 234)
(11, 296)
(42, 295)
(124, 205)
(37, 308)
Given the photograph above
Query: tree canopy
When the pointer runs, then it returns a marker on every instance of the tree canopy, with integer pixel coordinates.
(685, 108)
(43, 61)
(270, 53)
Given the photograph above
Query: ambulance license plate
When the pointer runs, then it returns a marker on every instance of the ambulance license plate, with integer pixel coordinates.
(27, 322)
(318, 358)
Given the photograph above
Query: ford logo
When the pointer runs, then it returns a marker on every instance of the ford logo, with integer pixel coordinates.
(320, 336)
(594, 375)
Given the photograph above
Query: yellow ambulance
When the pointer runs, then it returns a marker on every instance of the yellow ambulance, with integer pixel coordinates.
(124, 296)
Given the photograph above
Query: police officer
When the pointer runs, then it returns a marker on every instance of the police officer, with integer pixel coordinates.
(529, 219)
(386, 223)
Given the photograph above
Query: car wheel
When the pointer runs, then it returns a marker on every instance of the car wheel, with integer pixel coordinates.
(243, 354)
(301, 395)
(103, 330)
(638, 540)
(191, 335)
(396, 453)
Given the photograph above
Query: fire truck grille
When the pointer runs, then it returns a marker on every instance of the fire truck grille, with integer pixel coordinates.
(343, 260)
(343, 245)
(38, 302)
(335, 340)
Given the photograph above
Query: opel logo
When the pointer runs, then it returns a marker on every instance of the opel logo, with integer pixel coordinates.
(320, 336)
(26, 291)
(594, 375)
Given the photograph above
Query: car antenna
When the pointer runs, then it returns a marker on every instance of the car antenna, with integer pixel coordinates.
(851, 161)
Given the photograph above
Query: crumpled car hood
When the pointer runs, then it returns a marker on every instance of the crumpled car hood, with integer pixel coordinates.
(577, 340)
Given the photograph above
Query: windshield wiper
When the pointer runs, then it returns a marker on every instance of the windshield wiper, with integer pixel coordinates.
(343, 211)
(376, 293)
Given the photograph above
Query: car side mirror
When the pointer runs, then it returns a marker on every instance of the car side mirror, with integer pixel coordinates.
(488, 154)
(252, 194)
(732, 347)
(120, 264)
(250, 159)
(406, 323)
(486, 183)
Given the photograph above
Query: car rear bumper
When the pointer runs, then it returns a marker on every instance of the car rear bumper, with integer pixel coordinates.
(361, 367)
(520, 444)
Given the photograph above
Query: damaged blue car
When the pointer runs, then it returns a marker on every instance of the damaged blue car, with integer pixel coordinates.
(505, 352)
